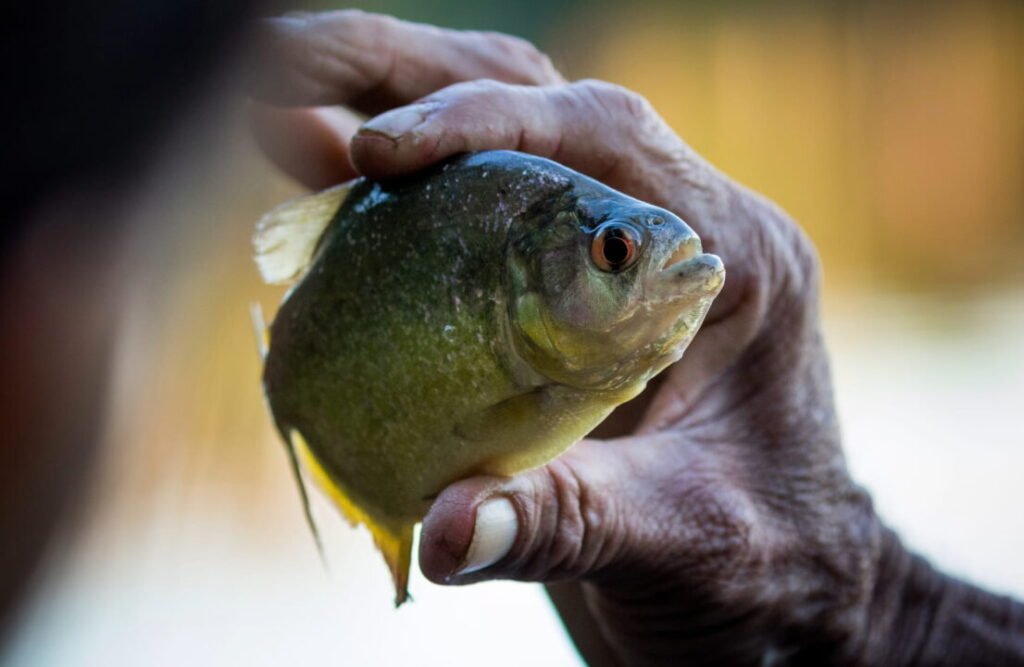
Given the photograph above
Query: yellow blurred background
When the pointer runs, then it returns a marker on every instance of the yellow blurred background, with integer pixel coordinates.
(894, 134)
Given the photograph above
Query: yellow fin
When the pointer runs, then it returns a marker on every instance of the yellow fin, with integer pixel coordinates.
(393, 541)
(287, 237)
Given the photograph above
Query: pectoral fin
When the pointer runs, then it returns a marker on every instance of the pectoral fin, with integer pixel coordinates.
(394, 540)
(528, 430)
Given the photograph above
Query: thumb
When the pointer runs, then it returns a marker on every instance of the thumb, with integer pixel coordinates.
(562, 521)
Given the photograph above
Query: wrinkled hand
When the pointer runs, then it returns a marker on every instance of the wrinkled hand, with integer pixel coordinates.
(713, 521)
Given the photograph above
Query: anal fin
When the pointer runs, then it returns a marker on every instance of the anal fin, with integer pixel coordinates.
(393, 540)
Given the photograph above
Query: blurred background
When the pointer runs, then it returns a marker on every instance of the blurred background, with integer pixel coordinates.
(895, 135)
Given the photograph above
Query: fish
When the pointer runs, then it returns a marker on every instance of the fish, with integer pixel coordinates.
(475, 318)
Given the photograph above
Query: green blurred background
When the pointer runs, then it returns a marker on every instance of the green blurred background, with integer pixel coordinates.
(894, 134)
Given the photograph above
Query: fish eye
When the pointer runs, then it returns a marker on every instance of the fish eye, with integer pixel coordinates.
(615, 247)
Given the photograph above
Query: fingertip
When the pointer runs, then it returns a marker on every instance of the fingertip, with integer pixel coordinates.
(372, 153)
(448, 534)
(379, 154)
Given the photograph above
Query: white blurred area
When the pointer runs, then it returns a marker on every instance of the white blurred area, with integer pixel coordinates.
(189, 574)
(930, 394)
(192, 549)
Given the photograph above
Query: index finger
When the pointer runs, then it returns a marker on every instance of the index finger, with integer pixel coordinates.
(371, 62)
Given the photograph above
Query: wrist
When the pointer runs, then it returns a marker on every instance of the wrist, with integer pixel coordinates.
(906, 595)
(920, 616)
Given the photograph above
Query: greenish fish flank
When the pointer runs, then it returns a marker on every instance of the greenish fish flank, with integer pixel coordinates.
(479, 317)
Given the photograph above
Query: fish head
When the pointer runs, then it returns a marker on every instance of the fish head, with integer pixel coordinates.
(605, 290)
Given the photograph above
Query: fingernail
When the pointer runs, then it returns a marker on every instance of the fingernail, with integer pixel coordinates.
(494, 532)
(397, 122)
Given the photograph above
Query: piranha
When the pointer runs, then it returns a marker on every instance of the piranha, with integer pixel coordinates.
(478, 317)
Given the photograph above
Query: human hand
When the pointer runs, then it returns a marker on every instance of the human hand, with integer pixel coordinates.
(361, 63)
(719, 524)
(712, 520)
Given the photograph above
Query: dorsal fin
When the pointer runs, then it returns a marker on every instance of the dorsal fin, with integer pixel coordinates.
(286, 238)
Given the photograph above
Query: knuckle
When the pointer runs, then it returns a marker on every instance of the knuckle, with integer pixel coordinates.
(325, 39)
(539, 68)
(571, 530)
(513, 58)
(788, 277)
(719, 525)
(509, 44)
(377, 36)
(488, 87)
(568, 519)
(798, 265)
(616, 100)
(375, 28)
(543, 66)
(340, 25)
(479, 91)
(806, 254)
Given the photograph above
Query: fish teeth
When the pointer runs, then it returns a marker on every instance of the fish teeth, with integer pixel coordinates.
(688, 248)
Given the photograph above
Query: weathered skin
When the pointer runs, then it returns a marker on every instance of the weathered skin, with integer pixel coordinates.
(455, 323)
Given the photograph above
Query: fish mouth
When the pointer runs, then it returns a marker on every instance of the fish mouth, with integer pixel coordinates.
(685, 250)
(689, 272)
